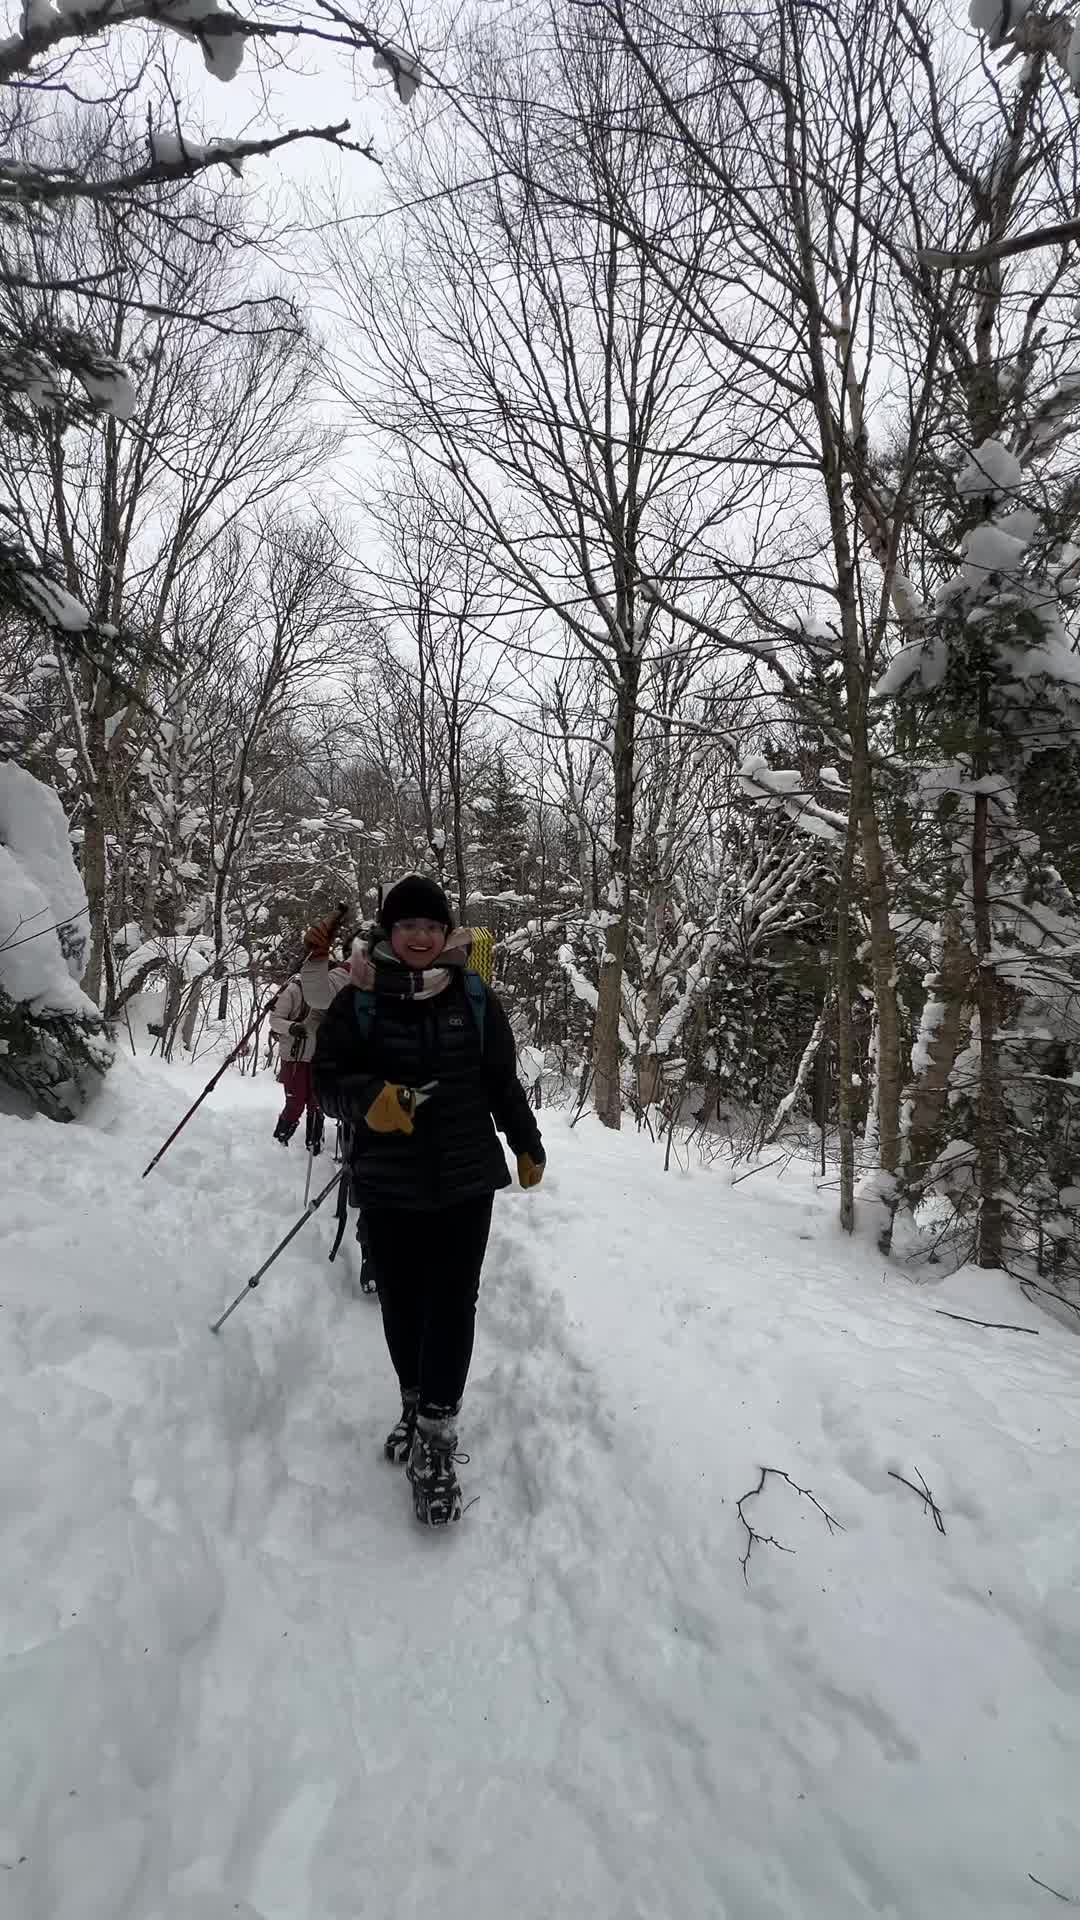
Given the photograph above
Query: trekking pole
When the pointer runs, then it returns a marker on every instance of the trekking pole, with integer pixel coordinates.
(211, 1084)
(307, 1177)
(342, 1207)
(217, 1325)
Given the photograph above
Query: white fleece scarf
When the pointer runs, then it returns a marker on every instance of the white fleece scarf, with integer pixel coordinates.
(365, 967)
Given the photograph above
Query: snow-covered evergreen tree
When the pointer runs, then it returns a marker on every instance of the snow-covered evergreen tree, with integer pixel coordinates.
(996, 677)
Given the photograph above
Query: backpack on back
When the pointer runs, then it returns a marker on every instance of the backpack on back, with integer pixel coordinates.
(475, 994)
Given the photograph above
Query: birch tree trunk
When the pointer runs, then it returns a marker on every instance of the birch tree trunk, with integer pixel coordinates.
(845, 1039)
(988, 1249)
(607, 1077)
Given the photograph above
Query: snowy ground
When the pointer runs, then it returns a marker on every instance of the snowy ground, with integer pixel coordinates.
(239, 1681)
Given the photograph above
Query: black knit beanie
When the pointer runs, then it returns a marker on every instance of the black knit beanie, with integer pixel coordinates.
(416, 898)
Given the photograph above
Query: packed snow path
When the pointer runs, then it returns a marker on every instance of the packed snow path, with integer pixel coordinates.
(239, 1680)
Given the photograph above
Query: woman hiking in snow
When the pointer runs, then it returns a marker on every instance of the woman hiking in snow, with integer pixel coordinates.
(418, 1058)
(294, 1021)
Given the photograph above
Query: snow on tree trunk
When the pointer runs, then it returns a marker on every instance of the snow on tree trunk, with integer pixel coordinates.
(54, 1044)
(790, 1099)
(991, 1120)
(943, 1031)
(883, 960)
(845, 1038)
(820, 339)
(607, 1078)
(95, 858)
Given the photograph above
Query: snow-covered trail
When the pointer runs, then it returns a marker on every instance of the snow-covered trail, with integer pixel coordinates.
(239, 1680)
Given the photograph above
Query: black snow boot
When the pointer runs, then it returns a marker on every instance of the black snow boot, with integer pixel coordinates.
(398, 1443)
(434, 1456)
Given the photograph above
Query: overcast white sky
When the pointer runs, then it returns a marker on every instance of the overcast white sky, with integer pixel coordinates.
(319, 86)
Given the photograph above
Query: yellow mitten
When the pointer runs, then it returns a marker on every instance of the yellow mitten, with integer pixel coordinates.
(393, 1110)
(530, 1171)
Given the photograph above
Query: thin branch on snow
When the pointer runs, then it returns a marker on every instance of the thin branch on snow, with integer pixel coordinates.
(768, 1539)
(785, 1157)
(930, 1505)
(1066, 1897)
(1004, 1326)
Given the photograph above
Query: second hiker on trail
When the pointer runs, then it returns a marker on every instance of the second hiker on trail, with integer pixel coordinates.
(418, 1058)
(294, 1021)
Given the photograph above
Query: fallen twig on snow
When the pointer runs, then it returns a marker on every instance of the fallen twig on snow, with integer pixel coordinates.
(930, 1505)
(767, 1539)
(1003, 1326)
(785, 1157)
(1067, 1897)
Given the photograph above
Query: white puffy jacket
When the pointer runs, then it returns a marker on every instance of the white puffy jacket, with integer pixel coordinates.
(302, 1002)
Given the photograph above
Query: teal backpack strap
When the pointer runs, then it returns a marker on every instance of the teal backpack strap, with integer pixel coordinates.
(476, 994)
(364, 1009)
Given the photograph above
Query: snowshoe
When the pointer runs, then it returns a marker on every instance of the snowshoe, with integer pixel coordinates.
(398, 1443)
(434, 1456)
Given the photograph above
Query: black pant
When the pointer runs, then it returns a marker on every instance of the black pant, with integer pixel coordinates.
(427, 1269)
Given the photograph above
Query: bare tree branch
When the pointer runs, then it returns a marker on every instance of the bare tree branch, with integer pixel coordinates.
(984, 256)
(766, 1539)
(930, 1505)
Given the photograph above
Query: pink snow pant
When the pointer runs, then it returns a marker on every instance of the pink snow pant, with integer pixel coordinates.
(299, 1094)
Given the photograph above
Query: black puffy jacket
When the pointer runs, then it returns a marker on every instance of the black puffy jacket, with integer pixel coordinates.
(452, 1153)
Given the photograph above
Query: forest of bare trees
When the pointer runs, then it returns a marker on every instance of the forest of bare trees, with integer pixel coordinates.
(659, 522)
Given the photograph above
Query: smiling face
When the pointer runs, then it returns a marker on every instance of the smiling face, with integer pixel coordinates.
(417, 943)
